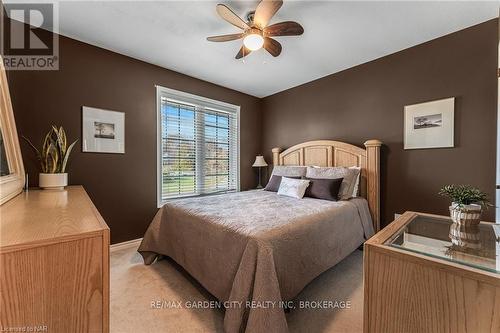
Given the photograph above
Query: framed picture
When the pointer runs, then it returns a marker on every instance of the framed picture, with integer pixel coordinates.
(430, 124)
(103, 131)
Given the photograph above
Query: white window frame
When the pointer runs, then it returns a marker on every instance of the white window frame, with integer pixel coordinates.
(199, 101)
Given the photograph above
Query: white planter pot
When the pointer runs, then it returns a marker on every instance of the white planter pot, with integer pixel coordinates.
(52, 181)
(465, 214)
(465, 236)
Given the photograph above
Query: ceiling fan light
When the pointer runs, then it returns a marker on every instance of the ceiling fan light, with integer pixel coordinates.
(253, 42)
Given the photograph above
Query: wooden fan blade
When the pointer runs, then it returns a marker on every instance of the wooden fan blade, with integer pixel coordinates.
(288, 28)
(265, 11)
(272, 46)
(243, 52)
(228, 15)
(225, 38)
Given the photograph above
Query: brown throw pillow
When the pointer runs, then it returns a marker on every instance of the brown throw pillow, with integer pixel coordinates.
(274, 183)
(349, 174)
(326, 189)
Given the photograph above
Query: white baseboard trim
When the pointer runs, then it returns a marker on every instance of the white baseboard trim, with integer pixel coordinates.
(125, 245)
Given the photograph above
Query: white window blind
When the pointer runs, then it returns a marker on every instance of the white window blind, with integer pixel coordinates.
(199, 146)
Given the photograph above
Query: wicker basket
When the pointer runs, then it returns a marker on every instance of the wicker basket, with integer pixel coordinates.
(466, 214)
(465, 236)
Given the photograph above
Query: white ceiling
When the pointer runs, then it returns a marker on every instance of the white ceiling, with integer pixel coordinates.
(338, 35)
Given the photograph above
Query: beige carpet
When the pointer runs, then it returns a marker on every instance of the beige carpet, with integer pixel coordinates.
(135, 286)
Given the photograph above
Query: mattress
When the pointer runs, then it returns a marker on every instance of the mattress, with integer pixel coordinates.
(255, 249)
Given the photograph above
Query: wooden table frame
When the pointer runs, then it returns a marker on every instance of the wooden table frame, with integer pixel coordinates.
(54, 263)
(409, 292)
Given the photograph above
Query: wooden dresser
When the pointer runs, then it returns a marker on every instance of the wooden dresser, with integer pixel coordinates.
(54, 263)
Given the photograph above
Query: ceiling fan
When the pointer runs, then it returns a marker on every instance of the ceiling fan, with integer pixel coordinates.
(256, 32)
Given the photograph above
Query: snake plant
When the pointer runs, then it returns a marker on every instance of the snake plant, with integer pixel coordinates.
(55, 152)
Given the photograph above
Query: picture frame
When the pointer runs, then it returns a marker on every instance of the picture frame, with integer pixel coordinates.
(103, 131)
(430, 124)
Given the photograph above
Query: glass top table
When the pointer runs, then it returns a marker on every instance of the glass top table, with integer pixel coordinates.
(438, 237)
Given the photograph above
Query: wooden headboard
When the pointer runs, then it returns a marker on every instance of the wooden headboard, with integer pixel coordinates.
(327, 153)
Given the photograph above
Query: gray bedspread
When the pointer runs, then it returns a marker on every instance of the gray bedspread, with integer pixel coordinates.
(256, 248)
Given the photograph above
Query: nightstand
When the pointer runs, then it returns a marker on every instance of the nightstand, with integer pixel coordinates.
(423, 273)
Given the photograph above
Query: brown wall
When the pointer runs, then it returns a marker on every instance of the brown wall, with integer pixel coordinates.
(366, 102)
(361, 103)
(123, 187)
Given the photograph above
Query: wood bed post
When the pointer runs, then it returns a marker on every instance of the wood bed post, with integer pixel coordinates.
(373, 180)
(276, 156)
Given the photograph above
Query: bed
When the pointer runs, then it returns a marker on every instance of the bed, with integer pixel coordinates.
(254, 250)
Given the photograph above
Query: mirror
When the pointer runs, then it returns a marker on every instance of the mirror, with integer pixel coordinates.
(11, 163)
(4, 164)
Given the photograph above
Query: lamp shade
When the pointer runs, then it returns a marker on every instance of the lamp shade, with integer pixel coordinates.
(259, 161)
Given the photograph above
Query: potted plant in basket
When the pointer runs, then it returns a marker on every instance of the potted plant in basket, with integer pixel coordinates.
(53, 159)
(467, 203)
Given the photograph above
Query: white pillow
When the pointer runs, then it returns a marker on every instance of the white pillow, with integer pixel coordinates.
(295, 188)
(349, 176)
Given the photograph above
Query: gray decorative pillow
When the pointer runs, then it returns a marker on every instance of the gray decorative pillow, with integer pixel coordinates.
(349, 176)
(355, 192)
(289, 171)
(295, 188)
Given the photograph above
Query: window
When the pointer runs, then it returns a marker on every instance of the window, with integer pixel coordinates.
(198, 145)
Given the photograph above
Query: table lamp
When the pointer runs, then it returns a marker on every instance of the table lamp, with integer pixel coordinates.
(259, 163)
